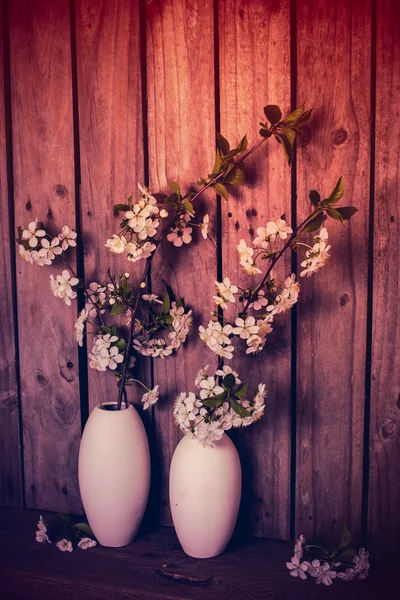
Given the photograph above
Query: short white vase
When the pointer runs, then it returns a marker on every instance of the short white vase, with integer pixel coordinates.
(204, 491)
(114, 473)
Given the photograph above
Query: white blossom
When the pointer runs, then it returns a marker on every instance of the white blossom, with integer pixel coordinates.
(150, 397)
(278, 228)
(50, 249)
(204, 226)
(209, 388)
(64, 545)
(326, 574)
(151, 298)
(32, 234)
(116, 244)
(296, 568)
(62, 285)
(25, 254)
(67, 237)
(86, 543)
(180, 236)
(245, 328)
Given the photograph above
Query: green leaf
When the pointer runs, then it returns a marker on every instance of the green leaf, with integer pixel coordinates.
(217, 164)
(305, 117)
(294, 117)
(188, 206)
(201, 181)
(314, 223)
(315, 198)
(229, 381)
(334, 214)
(117, 309)
(287, 147)
(347, 212)
(346, 538)
(166, 304)
(121, 207)
(273, 113)
(121, 344)
(222, 144)
(243, 145)
(85, 528)
(64, 517)
(221, 190)
(214, 401)
(337, 192)
(347, 553)
(290, 134)
(235, 176)
(172, 200)
(238, 408)
(240, 390)
(175, 188)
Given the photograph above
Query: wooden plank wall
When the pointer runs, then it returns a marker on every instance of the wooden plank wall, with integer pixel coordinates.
(103, 95)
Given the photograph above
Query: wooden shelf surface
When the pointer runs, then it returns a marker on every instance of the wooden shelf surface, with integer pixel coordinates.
(154, 567)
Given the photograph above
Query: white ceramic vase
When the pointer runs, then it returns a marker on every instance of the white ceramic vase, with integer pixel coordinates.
(114, 473)
(204, 490)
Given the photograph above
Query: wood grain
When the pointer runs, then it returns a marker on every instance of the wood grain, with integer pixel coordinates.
(181, 126)
(255, 71)
(10, 463)
(155, 567)
(333, 74)
(384, 488)
(111, 142)
(44, 189)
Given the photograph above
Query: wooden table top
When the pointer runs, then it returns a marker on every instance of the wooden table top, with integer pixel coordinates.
(155, 567)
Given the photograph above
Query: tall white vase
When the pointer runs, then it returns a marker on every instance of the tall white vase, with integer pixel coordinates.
(204, 491)
(114, 474)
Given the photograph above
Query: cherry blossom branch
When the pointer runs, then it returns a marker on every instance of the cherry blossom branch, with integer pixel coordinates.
(122, 381)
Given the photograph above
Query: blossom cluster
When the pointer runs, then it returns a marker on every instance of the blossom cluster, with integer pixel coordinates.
(63, 544)
(138, 228)
(106, 352)
(36, 245)
(219, 405)
(330, 566)
(260, 304)
(178, 322)
(141, 223)
(253, 329)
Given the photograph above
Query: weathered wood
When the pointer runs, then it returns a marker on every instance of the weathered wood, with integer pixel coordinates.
(44, 189)
(333, 76)
(10, 463)
(180, 76)
(384, 488)
(255, 71)
(155, 567)
(111, 142)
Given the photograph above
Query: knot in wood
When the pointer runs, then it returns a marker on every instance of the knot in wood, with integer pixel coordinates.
(389, 428)
(339, 137)
(41, 377)
(28, 205)
(64, 409)
(60, 190)
(344, 299)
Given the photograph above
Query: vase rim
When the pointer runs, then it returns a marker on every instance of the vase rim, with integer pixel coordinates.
(123, 408)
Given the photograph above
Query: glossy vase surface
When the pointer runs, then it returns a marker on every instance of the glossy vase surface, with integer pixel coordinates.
(205, 490)
(114, 473)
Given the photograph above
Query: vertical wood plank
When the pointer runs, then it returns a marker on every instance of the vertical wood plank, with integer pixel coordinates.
(384, 488)
(111, 140)
(10, 463)
(255, 71)
(333, 74)
(180, 60)
(44, 189)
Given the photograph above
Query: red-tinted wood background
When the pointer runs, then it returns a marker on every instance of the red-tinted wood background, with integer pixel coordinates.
(97, 96)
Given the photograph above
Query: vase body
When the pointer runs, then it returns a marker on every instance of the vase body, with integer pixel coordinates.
(114, 474)
(205, 490)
